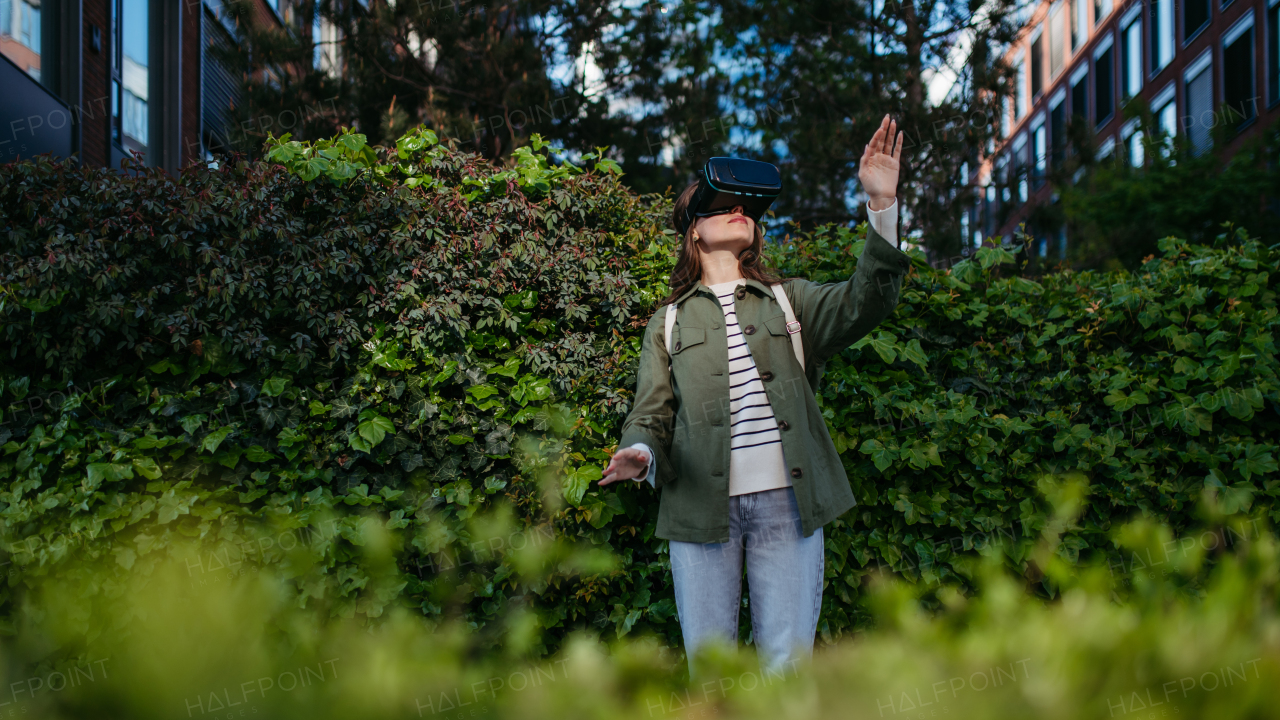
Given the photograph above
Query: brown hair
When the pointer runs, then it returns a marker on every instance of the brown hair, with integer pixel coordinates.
(688, 270)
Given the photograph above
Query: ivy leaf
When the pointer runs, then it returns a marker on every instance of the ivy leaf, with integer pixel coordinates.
(921, 454)
(257, 454)
(375, 429)
(343, 407)
(884, 344)
(359, 443)
(1120, 401)
(108, 472)
(482, 391)
(274, 386)
(147, 468)
(575, 484)
(882, 456)
(215, 438)
(1256, 461)
(915, 354)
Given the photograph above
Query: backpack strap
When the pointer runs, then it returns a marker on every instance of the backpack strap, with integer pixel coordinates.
(793, 325)
(671, 324)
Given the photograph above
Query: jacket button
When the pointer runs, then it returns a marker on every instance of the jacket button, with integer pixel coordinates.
(766, 376)
(795, 472)
(749, 330)
(783, 425)
(677, 346)
(742, 292)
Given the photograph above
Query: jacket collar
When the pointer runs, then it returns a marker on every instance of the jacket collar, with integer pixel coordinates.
(698, 286)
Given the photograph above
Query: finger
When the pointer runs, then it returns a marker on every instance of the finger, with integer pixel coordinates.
(889, 136)
(897, 152)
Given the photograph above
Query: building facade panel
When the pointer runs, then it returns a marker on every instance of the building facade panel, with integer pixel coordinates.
(1198, 64)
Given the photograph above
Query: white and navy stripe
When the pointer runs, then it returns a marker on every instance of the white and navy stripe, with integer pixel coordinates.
(751, 420)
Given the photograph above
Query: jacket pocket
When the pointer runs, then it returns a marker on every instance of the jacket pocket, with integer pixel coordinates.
(777, 325)
(687, 337)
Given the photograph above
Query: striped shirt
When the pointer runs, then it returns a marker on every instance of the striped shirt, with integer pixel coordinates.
(755, 459)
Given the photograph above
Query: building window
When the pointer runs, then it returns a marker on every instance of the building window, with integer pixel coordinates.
(20, 33)
(1273, 53)
(1107, 150)
(1198, 80)
(1020, 104)
(1062, 242)
(1021, 167)
(1080, 92)
(130, 77)
(1195, 16)
(1039, 143)
(1037, 66)
(1240, 103)
(1103, 82)
(1133, 58)
(1132, 134)
(1056, 38)
(1101, 9)
(1164, 110)
(1079, 24)
(1161, 34)
(1057, 128)
(324, 45)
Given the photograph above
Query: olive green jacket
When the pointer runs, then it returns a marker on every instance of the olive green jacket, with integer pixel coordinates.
(682, 412)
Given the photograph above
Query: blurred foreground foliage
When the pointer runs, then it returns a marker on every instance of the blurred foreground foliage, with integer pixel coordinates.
(173, 642)
(288, 365)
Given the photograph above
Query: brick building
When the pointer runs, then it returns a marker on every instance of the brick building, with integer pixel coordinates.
(1197, 63)
(100, 78)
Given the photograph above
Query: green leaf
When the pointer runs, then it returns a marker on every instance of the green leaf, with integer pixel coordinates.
(215, 438)
(884, 344)
(147, 468)
(375, 429)
(274, 386)
(882, 456)
(1257, 460)
(358, 443)
(914, 353)
(575, 483)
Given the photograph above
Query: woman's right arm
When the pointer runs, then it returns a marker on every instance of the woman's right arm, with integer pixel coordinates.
(651, 421)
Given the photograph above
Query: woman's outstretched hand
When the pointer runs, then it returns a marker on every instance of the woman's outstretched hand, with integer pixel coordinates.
(878, 168)
(626, 464)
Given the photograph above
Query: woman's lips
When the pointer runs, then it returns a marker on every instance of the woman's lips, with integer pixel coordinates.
(739, 220)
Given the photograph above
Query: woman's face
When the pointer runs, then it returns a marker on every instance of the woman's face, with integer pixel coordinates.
(731, 231)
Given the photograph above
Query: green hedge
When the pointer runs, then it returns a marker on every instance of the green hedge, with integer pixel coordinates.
(406, 349)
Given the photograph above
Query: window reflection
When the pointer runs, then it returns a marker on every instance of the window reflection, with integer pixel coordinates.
(20, 34)
(129, 73)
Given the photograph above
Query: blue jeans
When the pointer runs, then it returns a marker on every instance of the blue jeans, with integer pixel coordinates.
(784, 574)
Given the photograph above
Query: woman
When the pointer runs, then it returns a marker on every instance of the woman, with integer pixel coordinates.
(727, 427)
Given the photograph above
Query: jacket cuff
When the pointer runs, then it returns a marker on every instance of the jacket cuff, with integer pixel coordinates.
(889, 257)
(659, 466)
(653, 466)
(885, 221)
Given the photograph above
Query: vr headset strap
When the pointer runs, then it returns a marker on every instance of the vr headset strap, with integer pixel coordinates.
(793, 325)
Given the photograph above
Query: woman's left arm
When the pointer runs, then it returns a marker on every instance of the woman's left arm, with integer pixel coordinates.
(835, 315)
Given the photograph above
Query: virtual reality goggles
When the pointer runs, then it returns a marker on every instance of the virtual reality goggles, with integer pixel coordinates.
(728, 182)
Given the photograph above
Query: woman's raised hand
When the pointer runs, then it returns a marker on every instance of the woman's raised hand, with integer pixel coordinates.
(878, 168)
(626, 464)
